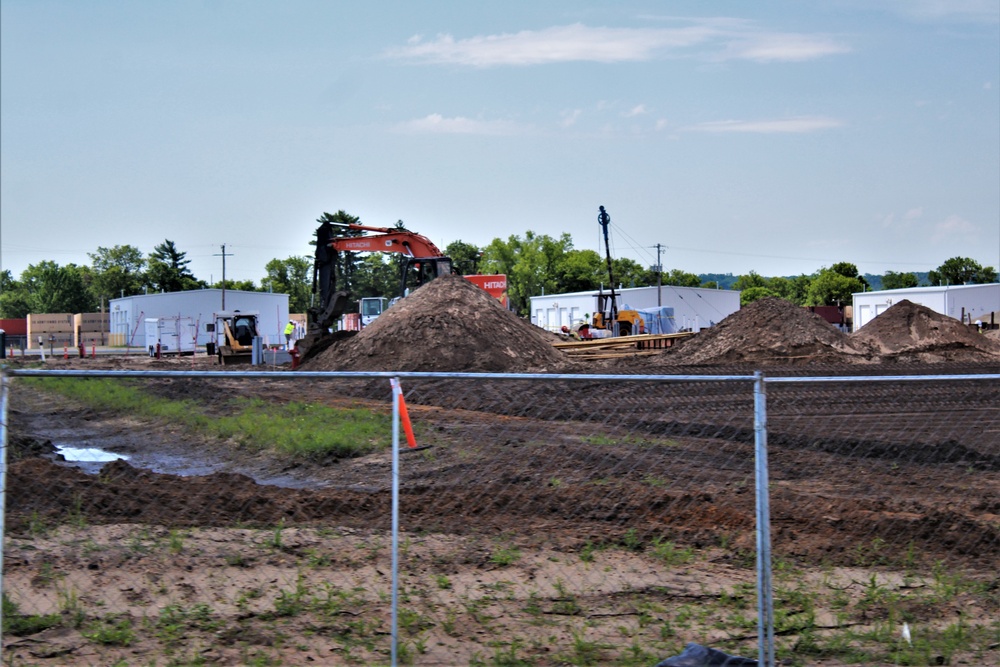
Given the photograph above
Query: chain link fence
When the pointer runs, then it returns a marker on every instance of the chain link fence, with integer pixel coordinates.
(272, 518)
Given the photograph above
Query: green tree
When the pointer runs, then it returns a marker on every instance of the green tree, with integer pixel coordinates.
(579, 271)
(893, 280)
(798, 289)
(748, 280)
(50, 288)
(795, 289)
(751, 294)
(168, 269)
(849, 270)
(241, 285)
(833, 288)
(15, 301)
(464, 257)
(629, 273)
(290, 276)
(118, 271)
(679, 278)
(961, 271)
(378, 274)
(529, 263)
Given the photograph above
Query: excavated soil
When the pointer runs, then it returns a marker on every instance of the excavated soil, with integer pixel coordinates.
(909, 331)
(582, 480)
(766, 331)
(447, 325)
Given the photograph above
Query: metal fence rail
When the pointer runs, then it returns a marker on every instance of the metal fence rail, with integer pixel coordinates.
(540, 519)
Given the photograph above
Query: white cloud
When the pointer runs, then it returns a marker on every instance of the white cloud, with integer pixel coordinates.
(902, 222)
(637, 110)
(968, 11)
(435, 123)
(797, 125)
(783, 47)
(662, 124)
(569, 118)
(718, 40)
(952, 226)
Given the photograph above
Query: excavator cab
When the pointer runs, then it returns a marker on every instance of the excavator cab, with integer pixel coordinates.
(420, 270)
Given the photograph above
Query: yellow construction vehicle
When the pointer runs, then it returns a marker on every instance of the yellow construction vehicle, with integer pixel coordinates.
(235, 332)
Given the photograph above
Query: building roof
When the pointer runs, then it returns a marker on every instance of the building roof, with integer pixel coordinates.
(928, 290)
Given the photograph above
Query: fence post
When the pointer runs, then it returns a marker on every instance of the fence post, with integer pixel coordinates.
(397, 394)
(4, 393)
(765, 600)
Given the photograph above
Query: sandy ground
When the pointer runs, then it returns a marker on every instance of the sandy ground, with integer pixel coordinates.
(555, 523)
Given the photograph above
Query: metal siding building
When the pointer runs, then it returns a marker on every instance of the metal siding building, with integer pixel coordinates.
(963, 302)
(695, 308)
(129, 313)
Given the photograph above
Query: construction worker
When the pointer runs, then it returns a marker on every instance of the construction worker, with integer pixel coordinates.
(289, 331)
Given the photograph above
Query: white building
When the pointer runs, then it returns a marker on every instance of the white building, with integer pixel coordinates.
(693, 308)
(128, 314)
(966, 303)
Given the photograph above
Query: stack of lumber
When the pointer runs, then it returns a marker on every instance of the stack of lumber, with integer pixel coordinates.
(609, 348)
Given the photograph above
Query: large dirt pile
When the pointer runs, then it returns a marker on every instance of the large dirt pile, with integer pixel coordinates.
(769, 330)
(447, 325)
(910, 332)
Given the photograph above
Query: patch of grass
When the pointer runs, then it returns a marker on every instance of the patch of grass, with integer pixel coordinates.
(18, 624)
(631, 540)
(110, 631)
(175, 620)
(298, 429)
(670, 553)
(505, 555)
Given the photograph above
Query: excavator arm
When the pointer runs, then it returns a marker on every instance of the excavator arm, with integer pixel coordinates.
(386, 240)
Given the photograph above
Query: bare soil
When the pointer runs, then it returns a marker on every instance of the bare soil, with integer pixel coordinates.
(539, 525)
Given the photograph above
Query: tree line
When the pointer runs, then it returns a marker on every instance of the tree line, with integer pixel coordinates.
(534, 264)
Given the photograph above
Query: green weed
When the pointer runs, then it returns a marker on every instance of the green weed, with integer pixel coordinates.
(297, 429)
(505, 555)
(111, 632)
(18, 624)
(670, 553)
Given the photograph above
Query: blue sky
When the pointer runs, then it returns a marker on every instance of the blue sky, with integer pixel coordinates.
(773, 136)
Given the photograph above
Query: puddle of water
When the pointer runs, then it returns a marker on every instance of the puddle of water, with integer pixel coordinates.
(88, 454)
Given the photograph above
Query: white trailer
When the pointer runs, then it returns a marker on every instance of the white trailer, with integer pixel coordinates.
(966, 303)
(690, 308)
(173, 335)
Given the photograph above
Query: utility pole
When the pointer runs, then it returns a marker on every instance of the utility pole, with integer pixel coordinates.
(224, 255)
(659, 274)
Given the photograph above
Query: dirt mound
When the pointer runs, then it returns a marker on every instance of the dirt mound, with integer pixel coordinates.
(767, 331)
(909, 331)
(447, 325)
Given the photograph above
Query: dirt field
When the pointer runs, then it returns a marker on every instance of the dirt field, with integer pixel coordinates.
(549, 523)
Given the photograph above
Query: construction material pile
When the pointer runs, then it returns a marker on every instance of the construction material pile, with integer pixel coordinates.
(447, 325)
(767, 330)
(910, 332)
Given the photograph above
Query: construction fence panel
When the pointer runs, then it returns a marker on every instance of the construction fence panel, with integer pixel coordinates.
(539, 520)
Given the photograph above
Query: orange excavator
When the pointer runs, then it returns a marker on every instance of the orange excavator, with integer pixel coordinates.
(424, 263)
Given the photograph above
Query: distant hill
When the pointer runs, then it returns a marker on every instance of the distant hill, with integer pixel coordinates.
(876, 281)
(726, 280)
